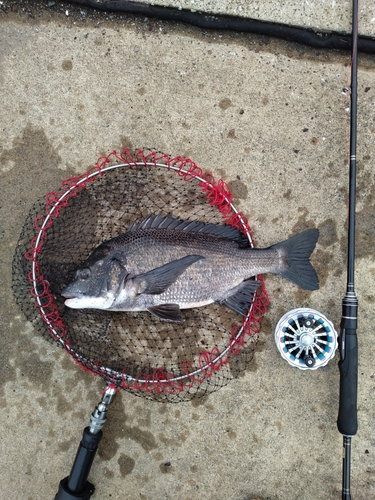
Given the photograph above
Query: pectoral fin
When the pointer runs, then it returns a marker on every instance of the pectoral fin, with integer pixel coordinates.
(169, 312)
(159, 279)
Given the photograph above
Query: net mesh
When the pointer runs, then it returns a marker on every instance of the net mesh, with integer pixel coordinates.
(134, 351)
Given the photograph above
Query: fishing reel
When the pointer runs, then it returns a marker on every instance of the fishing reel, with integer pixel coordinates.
(306, 339)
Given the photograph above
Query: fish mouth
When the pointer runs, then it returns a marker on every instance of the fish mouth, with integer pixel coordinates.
(73, 300)
(71, 295)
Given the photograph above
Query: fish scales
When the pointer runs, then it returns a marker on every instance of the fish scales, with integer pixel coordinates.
(223, 263)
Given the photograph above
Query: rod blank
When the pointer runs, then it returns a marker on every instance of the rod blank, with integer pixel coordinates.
(348, 365)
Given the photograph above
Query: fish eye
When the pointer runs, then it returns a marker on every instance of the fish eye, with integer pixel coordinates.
(84, 273)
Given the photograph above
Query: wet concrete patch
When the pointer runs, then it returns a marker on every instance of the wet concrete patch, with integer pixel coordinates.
(365, 227)
(67, 65)
(126, 464)
(199, 401)
(8, 353)
(177, 440)
(327, 233)
(23, 362)
(118, 428)
(238, 188)
(303, 222)
(225, 103)
(35, 142)
(322, 262)
(145, 438)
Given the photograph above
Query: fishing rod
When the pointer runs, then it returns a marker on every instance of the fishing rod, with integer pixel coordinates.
(348, 365)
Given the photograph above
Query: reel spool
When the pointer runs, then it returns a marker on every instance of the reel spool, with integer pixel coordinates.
(306, 338)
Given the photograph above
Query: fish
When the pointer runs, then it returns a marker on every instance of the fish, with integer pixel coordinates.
(164, 264)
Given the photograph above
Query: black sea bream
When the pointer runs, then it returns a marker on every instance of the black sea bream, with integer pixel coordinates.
(164, 264)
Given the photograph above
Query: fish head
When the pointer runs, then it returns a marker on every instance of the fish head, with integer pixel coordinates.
(97, 281)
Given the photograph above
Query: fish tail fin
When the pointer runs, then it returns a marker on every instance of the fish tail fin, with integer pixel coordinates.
(295, 254)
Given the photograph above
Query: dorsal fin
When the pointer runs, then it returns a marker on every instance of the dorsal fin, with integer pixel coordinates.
(171, 223)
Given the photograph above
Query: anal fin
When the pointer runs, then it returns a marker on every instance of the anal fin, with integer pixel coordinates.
(169, 312)
(240, 297)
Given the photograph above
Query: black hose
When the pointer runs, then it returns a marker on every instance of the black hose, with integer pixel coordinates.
(303, 36)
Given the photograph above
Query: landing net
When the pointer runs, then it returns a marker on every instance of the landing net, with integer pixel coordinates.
(133, 351)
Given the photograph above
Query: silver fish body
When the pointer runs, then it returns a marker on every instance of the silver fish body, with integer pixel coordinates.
(164, 265)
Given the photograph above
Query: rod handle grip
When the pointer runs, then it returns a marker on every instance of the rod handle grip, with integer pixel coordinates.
(76, 485)
(64, 493)
(348, 365)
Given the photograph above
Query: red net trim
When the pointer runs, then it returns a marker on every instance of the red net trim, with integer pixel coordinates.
(159, 381)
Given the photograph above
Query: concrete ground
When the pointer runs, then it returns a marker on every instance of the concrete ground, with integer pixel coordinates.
(268, 117)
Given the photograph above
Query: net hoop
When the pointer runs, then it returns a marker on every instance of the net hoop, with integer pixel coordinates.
(217, 193)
